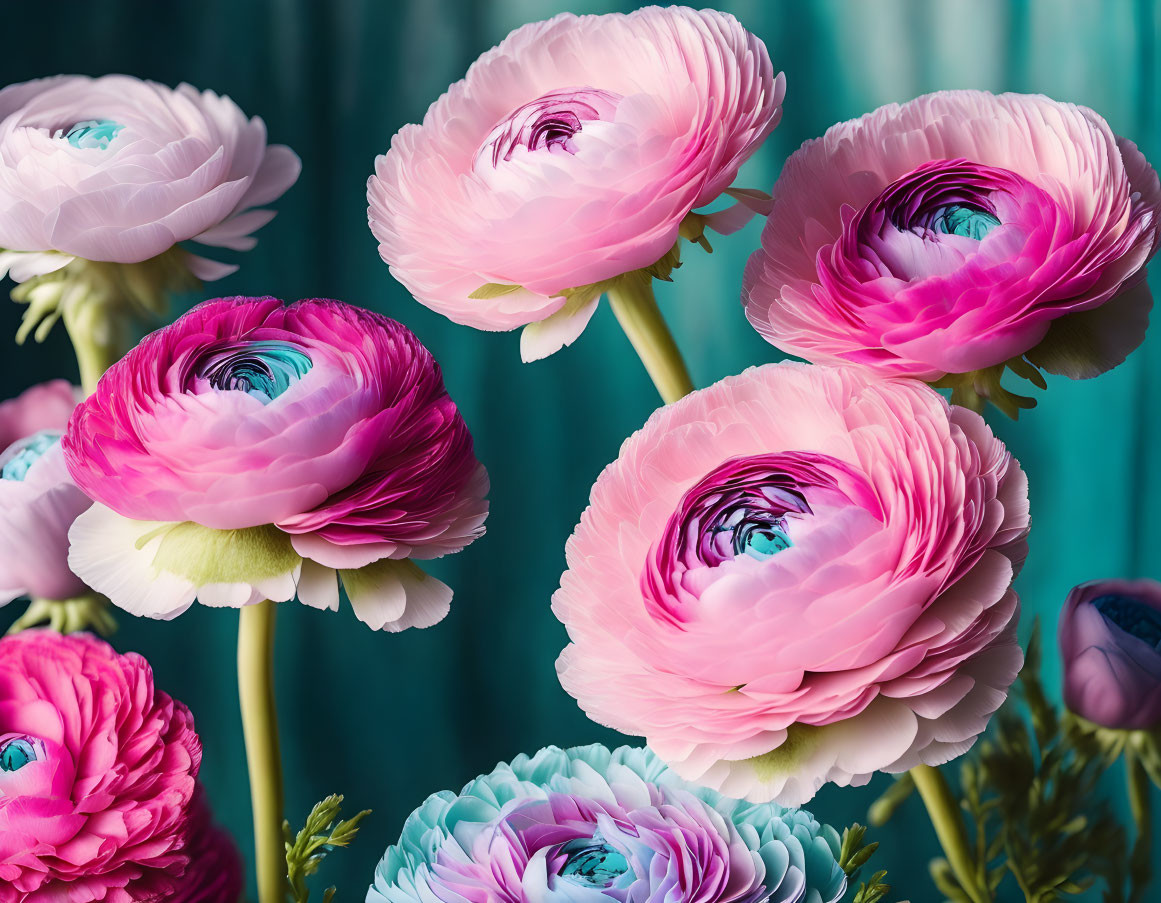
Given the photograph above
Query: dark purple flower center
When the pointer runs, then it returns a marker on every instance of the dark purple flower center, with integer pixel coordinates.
(263, 369)
(944, 197)
(548, 123)
(745, 506)
(1133, 617)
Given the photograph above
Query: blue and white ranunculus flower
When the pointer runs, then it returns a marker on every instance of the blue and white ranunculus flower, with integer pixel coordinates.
(584, 824)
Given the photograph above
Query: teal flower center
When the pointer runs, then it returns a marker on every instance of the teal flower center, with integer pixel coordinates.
(16, 753)
(963, 219)
(19, 457)
(762, 540)
(262, 369)
(592, 863)
(93, 133)
(1135, 618)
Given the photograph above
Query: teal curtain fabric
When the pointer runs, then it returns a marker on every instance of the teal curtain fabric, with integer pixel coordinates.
(388, 719)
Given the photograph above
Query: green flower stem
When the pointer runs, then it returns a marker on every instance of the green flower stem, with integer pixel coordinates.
(260, 729)
(635, 306)
(943, 810)
(99, 339)
(1140, 805)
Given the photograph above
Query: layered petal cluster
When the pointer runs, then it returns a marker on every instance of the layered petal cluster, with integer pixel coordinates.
(795, 576)
(97, 774)
(958, 232)
(252, 450)
(215, 873)
(587, 824)
(118, 169)
(1110, 643)
(571, 154)
(38, 499)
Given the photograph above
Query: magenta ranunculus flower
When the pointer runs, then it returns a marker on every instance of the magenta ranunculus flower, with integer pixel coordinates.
(120, 170)
(250, 451)
(795, 576)
(1110, 642)
(215, 873)
(97, 774)
(38, 499)
(956, 235)
(573, 153)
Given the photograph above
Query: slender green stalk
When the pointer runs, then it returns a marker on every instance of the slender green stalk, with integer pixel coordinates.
(943, 810)
(98, 338)
(635, 306)
(260, 728)
(1141, 866)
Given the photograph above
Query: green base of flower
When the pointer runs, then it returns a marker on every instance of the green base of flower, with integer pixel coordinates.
(973, 390)
(88, 612)
(98, 301)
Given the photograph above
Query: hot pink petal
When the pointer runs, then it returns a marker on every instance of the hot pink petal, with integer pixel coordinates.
(955, 232)
(98, 806)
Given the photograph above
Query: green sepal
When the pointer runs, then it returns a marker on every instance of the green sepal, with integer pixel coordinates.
(204, 555)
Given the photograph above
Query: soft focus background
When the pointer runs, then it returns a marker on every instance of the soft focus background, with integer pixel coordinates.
(387, 719)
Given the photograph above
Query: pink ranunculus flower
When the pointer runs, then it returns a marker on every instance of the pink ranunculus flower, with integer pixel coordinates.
(956, 235)
(1110, 643)
(572, 154)
(253, 451)
(97, 774)
(120, 170)
(215, 873)
(796, 576)
(38, 499)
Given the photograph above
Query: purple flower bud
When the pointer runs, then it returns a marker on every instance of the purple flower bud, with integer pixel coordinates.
(1110, 640)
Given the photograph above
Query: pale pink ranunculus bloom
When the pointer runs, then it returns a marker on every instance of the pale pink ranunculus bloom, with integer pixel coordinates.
(118, 169)
(97, 774)
(798, 576)
(38, 499)
(956, 233)
(569, 155)
(253, 450)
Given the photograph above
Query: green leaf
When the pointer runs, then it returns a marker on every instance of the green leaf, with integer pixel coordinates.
(306, 850)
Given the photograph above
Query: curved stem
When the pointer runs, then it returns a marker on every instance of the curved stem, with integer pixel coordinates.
(949, 828)
(260, 728)
(635, 306)
(1139, 804)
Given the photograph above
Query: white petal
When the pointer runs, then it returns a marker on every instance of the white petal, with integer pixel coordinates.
(228, 595)
(539, 340)
(208, 270)
(280, 588)
(118, 556)
(24, 265)
(103, 552)
(394, 595)
(318, 586)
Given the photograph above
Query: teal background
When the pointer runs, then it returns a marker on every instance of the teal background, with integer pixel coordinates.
(387, 719)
